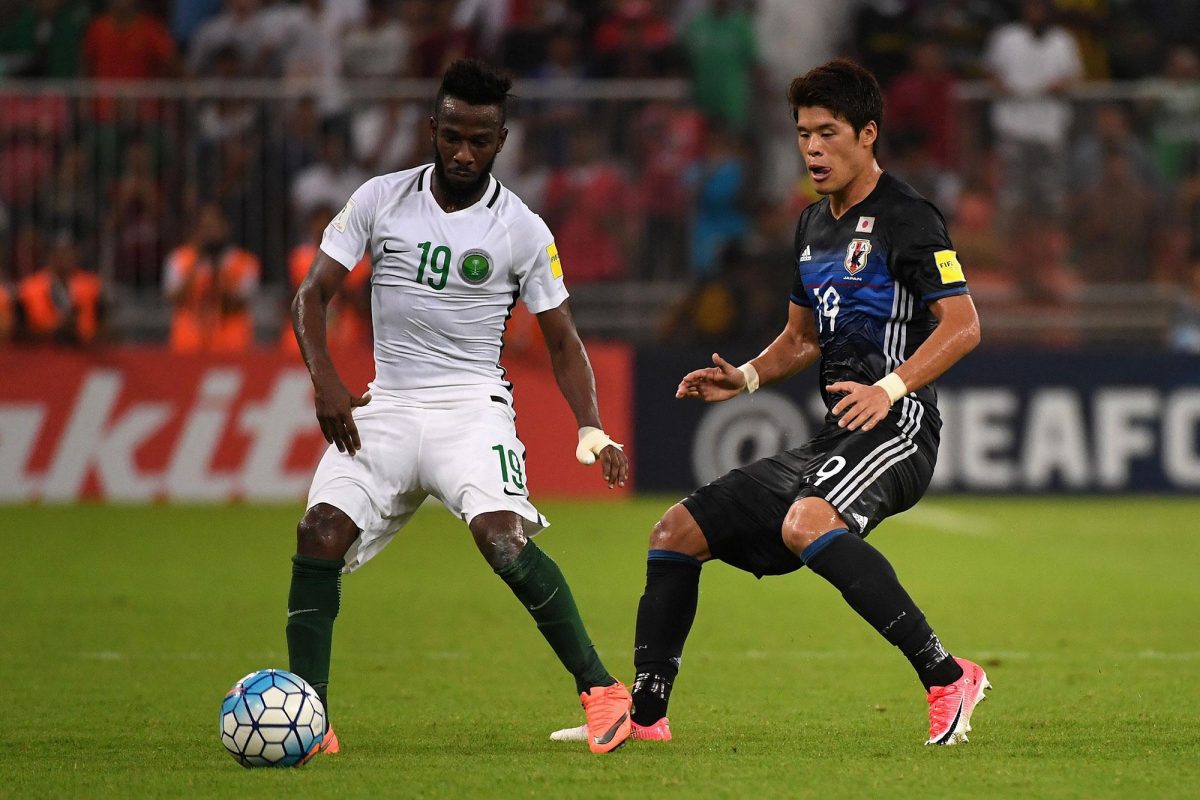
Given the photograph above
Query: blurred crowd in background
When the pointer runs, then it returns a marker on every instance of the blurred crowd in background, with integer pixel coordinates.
(166, 168)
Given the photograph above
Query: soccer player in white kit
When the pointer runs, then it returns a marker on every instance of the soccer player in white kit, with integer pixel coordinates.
(451, 252)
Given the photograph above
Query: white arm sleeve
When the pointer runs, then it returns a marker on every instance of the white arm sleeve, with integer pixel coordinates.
(349, 233)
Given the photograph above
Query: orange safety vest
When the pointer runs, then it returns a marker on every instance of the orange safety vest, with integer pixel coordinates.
(345, 325)
(43, 316)
(199, 323)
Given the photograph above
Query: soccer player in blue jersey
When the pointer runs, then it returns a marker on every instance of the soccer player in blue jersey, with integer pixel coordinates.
(880, 300)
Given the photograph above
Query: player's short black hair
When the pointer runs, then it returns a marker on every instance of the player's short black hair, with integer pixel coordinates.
(477, 83)
(847, 89)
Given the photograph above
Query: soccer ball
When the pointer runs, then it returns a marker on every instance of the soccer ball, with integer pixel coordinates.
(272, 718)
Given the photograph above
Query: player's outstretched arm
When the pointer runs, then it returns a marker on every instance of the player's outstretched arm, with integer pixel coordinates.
(794, 349)
(334, 403)
(576, 381)
(956, 335)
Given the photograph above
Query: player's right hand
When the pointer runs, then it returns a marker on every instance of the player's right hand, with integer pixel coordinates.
(335, 414)
(714, 384)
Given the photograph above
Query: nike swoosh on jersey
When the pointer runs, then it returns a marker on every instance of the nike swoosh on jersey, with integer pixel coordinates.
(398, 250)
(301, 611)
(514, 494)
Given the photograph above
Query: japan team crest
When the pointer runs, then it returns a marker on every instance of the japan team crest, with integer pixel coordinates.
(856, 255)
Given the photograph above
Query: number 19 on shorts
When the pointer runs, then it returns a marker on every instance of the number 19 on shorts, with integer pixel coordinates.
(512, 469)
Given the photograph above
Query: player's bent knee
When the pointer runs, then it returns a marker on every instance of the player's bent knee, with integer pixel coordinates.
(807, 520)
(678, 532)
(325, 532)
(500, 537)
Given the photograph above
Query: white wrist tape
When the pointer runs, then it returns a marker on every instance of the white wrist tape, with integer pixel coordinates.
(751, 375)
(893, 384)
(591, 442)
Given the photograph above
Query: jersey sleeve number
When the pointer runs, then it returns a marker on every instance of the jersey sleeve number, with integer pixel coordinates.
(438, 262)
(829, 302)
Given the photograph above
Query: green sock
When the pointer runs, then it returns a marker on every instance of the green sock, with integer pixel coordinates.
(540, 586)
(313, 604)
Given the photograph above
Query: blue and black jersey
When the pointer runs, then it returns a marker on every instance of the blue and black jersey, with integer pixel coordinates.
(869, 277)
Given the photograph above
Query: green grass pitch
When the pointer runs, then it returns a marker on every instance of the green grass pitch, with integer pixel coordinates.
(123, 627)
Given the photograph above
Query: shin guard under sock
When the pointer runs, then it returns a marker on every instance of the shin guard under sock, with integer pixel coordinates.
(540, 586)
(313, 604)
(870, 586)
(665, 615)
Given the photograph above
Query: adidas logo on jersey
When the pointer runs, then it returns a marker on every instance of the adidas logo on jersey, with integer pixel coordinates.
(806, 255)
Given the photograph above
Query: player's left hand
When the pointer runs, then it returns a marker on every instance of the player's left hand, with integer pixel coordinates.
(595, 444)
(614, 465)
(863, 406)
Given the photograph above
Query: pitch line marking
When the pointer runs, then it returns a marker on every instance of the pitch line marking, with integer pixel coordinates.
(946, 520)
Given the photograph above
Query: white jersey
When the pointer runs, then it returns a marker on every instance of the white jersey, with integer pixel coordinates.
(444, 284)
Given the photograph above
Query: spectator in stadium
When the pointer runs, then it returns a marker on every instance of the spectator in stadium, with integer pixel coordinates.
(1176, 114)
(1110, 132)
(911, 160)
(239, 187)
(720, 183)
(1032, 64)
(551, 122)
(429, 23)
(135, 220)
(328, 181)
(738, 302)
(1088, 22)
(587, 203)
(387, 134)
(791, 42)
(723, 50)
(1115, 253)
(921, 99)
(31, 128)
(300, 140)
(209, 282)
(45, 40)
(882, 35)
(526, 42)
(62, 303)
(478, 27)
(68, 199)
(635, 42)
(304, 42)
(349, 320)
(128, 44)
(186, 17)
(227, 116)
(667, 141)
(961, 28)
(380, 46)
(239, 28)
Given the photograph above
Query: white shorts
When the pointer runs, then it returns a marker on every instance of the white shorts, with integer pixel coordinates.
(465, 453)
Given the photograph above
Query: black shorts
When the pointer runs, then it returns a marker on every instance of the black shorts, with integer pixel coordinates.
(867, 476)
